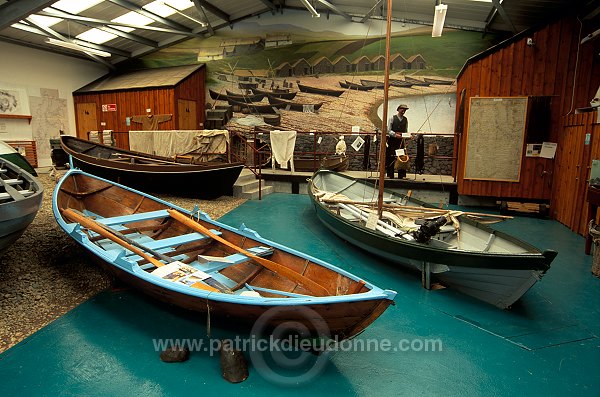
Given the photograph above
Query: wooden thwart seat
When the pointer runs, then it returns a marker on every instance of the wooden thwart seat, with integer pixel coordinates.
(138, 217)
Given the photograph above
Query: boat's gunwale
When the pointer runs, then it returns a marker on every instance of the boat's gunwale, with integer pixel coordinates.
(172, 167)
(374, 292)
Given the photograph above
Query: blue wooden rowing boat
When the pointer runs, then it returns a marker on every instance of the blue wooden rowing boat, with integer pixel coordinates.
(187, 259)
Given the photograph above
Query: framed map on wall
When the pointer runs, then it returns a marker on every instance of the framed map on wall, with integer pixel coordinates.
(495, 137)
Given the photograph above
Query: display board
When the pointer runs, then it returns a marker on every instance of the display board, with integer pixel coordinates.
(495, 138)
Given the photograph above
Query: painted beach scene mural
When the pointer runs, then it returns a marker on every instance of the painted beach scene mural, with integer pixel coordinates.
(325, 74)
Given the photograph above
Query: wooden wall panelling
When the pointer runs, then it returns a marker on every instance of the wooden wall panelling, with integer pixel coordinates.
(30, 149)
(538, 68)
(550, 58)
(566, 82)
(485, 76)
(546, 69)
(594, 155)
(495, 73)
(590, 152)
(507, 70)
(528, 68)
(516, 78)
(581, 175)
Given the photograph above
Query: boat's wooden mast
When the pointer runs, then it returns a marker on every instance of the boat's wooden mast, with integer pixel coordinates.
(384, 121)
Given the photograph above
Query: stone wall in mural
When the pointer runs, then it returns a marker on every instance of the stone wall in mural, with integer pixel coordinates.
(325, 75)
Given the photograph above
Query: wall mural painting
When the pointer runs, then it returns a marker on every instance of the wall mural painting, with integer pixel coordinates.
(326, 74)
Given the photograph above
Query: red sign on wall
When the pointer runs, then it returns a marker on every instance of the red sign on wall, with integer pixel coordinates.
(110, 107)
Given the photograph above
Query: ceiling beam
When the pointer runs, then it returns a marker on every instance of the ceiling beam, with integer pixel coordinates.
(269, 4)
(112, 50)
(504, 15)
(335, 9)
(14, 11)
(371, 11)
(58, 36)
(167, 22)
(211, 31)
(61, 14)
(212, 9)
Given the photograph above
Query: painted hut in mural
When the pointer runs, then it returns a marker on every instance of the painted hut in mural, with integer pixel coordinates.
(378, 62)
(416, 62)
(273, 40)
(301, 67)
(241, 46)
(243, 75)
(342, 65)
(210, 54)
(283, 70)
(322, 65)
(397, 62)
(261, 75)
(361, 64)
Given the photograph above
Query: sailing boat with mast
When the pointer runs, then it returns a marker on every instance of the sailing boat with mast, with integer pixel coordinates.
(454, 248)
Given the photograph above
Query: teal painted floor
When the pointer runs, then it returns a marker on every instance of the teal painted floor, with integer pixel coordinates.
(546, 345)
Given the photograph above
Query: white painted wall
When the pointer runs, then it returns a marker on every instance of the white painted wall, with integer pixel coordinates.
(38, 73)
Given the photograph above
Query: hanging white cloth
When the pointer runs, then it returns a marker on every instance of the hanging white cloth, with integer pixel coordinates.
(282, 147)
(308, 108)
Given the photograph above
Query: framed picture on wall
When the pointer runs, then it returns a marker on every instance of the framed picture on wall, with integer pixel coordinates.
(13, 101)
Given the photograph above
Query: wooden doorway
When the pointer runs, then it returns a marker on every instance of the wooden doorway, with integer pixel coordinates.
(571, 174)
(186, 111)
(86, 119)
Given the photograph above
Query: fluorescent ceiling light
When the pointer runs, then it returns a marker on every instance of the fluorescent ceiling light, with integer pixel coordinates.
(44, 20)
(96, 36)
(159, 8)
(438, 20)
(75, 6)
(132, 18)
(310, 8)
(28, 28)
(77, 47)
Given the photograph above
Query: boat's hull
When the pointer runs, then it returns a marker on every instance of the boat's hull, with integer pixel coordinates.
(12, 229)
(205, 184)
(340, 320)
(7, 152)
(321, 91)
(282, 95)
(341, 315)
(354, 86)
(255, 108)
(498, 278)
(296, 107)
(17, 215)
(205, 180)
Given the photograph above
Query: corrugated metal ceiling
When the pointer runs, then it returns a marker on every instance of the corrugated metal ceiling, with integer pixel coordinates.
(509, 16)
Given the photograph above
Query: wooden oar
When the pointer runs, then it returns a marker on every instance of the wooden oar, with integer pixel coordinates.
(283, 271)
(135, 247)
(412, 207)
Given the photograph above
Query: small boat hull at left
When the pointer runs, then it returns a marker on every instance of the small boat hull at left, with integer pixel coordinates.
(260, 280)
(20, 200)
